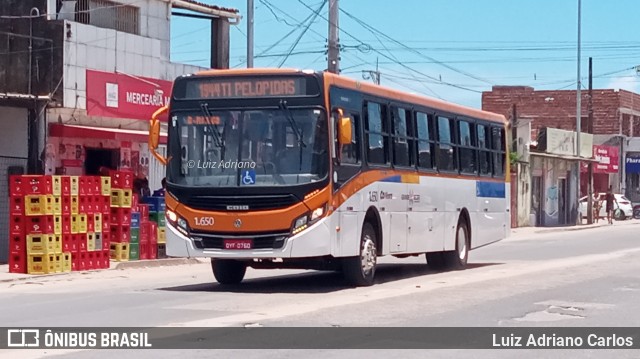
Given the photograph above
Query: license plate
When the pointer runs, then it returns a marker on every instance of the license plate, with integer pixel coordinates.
(238, 244)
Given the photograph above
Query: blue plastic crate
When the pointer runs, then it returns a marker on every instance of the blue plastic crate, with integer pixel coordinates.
(135, 219)
(156, 204)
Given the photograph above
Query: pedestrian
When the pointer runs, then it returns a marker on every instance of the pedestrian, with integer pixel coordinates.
(609, 199)
(160, 192)
(596, 208)
(141, 186)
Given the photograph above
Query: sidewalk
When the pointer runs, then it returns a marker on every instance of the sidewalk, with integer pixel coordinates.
(526, 231)
(5, 276)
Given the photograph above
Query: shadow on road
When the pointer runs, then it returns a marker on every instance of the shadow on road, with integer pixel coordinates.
(315, 281)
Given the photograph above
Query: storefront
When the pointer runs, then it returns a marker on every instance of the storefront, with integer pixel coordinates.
(632, 171)
(112, 131)
(607, 165)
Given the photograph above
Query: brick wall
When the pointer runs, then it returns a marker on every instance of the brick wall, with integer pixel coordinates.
(557, 108)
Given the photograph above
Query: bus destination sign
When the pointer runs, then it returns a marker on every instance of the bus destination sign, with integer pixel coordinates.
(235, 88)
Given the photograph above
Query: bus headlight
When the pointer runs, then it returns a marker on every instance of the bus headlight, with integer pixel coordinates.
(302, 222)
(177, 221)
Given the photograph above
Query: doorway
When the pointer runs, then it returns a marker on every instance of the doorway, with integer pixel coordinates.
(99, 157)
(562, 201)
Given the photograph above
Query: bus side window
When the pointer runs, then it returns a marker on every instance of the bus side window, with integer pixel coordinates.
(498, 147)
(446, 148)
(351, 153)
(377, 141)
(400, 125)
(484, 154)
(426, 148)
(467, 147)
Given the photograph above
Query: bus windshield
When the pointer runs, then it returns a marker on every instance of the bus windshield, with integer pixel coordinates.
(267, 147)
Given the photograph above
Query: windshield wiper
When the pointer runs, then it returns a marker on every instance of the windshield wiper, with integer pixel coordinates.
(292, 122)
(217, 137)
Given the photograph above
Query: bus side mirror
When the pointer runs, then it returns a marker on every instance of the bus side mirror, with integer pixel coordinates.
(344, 130)
(154, 134)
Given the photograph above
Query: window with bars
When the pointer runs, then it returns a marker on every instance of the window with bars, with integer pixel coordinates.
(108, 14)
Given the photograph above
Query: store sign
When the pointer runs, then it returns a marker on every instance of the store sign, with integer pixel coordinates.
(632, 162)
(562, 142)
(608, 159)
(125, 96)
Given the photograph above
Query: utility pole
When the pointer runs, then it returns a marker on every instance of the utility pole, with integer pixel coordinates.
(250, 33)
(590, 130)
(578, 115)
(372, 75)
(333, 54)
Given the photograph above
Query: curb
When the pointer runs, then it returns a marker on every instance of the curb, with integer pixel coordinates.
(155, 263)
(582, 227)
(114, 265)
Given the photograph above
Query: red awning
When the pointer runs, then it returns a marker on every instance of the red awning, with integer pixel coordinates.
(102, 133)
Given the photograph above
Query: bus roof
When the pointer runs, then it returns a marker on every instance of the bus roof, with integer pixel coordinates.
(369, 88)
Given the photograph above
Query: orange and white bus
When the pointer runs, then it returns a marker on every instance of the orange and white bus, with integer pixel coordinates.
(272, 168)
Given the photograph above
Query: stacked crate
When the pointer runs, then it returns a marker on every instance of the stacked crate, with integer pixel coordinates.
(157, 210)
(148, 234)
(121, 203)
(56, 224)
(134, 243)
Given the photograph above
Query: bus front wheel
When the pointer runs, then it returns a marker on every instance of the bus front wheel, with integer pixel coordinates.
(227, 271)
(361, 270)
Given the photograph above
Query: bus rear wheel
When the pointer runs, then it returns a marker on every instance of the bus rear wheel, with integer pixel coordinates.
(456, 259)
(360, 271)
(228, 271)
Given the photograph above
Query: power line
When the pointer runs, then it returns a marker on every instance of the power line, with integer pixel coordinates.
(304, 31)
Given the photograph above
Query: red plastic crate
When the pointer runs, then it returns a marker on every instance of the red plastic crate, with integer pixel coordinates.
(75, 246)
(18, 262)
(135, 201)
(66, 242)
(38, 224)
(144, 211)
(91, 260)
(83, 186)
(121, 179)
(16, 205)
(16, 224)
(82, 203)
(16, 185)
(66, 186)
(106, 222)
(90, 224)
(17, 244)
(153, 251)
(37, 185)
(106, 241)
(82, 242)
(66, 224)
(106, 258)
(144, 250)
(121, 216)
(96, 185)
(153, 233)
(75, 262)
(106, 204)
(120, 234)
(66, 204)
(82, 261)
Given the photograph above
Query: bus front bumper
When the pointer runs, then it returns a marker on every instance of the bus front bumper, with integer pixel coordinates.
(312, 242)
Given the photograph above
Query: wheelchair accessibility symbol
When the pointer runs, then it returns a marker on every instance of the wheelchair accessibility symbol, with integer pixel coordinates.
(248, 177)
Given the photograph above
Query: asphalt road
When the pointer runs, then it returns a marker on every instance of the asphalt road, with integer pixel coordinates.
(587, 278)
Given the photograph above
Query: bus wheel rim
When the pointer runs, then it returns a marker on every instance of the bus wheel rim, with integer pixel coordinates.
(368, 256)
(462, 243)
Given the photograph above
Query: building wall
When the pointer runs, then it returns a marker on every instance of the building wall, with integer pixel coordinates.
(552, 172)
(557, 108)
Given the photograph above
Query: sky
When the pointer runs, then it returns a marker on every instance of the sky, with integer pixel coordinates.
(448, 49)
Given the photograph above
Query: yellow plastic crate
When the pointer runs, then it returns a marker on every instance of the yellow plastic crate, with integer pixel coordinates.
(116, 195)
(97, 222)
(66, 261)
(91, 242)
(57, 243)
(40, 244)
(57, 263)
(75, 204)
(39, 264)
(119, 252)
(35, 205)
(56, 185)
(105, 186)
(57, 205)
(75, 184)
(162, 235)
(57, 224)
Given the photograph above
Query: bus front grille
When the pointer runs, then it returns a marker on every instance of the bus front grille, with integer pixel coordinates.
(232, 203)
(260, 241)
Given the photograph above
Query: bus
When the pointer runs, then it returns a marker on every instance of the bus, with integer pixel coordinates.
(275, 168)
